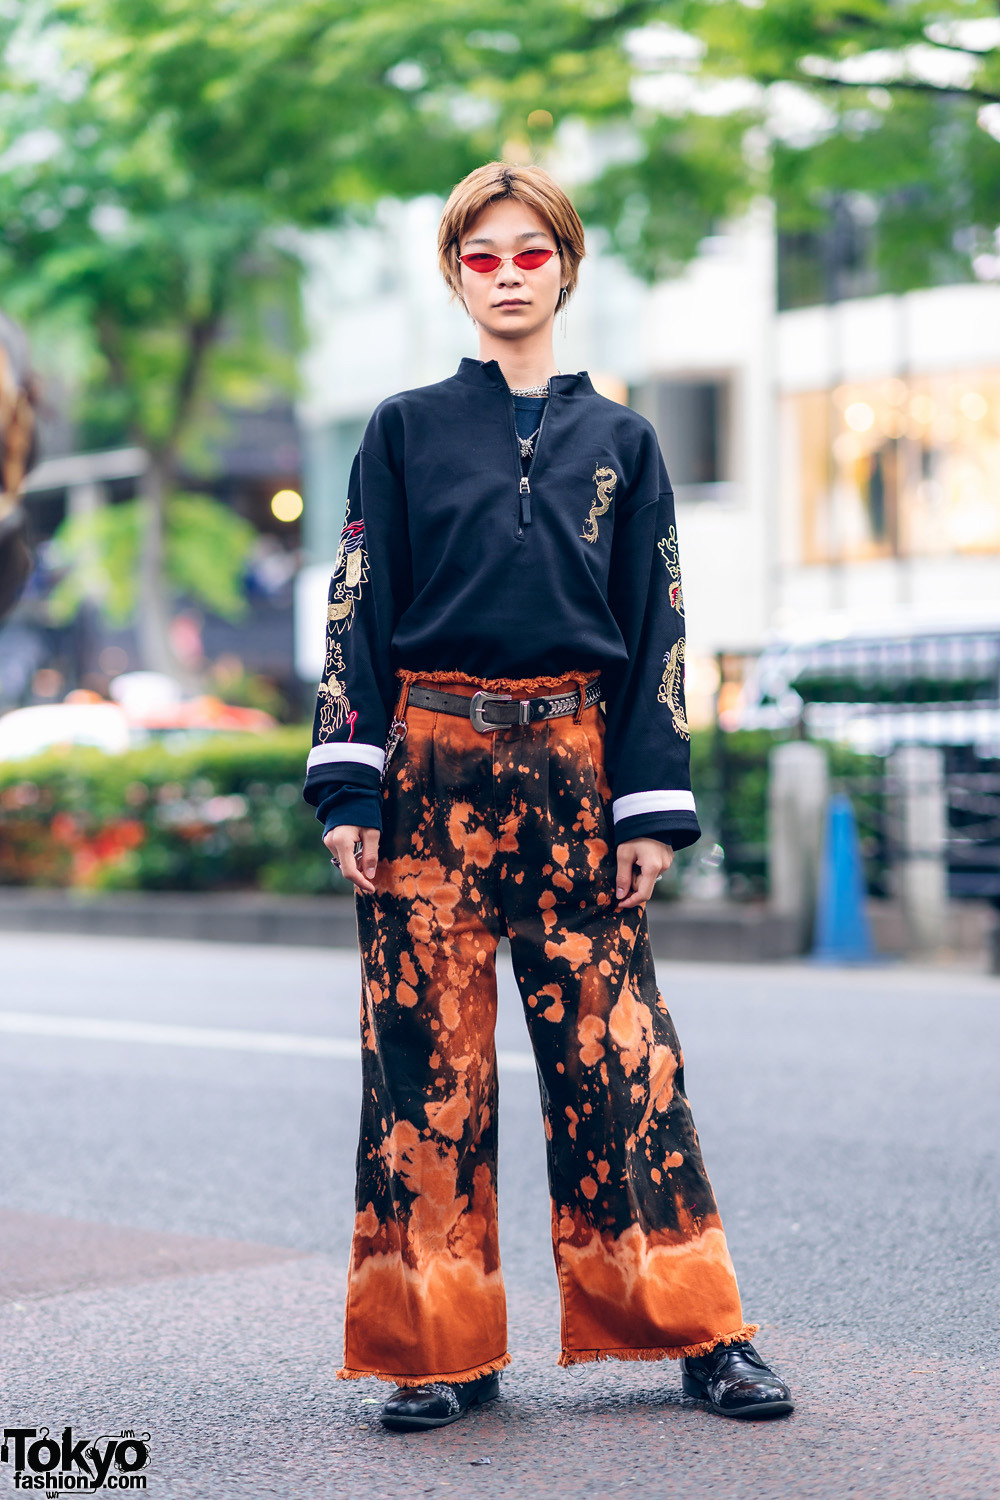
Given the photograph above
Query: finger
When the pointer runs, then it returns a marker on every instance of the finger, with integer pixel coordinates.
(623, 883)
(335, 839)
(643, 883)
(369, 854)
(349, 863)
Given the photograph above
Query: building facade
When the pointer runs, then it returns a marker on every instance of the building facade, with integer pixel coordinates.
(830, 463)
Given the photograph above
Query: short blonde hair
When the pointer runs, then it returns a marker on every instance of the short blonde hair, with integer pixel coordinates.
(489, 184)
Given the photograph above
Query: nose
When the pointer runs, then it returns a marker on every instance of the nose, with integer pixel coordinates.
(509, 275)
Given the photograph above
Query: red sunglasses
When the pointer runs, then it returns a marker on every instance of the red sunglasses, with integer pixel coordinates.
(527, 260)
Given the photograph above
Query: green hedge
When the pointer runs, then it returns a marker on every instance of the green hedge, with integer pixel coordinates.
(225, 813)
(729, 773)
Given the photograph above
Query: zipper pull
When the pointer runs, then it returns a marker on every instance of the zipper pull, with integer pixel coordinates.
(525, 500)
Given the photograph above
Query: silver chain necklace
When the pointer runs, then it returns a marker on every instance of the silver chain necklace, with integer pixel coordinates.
(532, 390)
(528, 443)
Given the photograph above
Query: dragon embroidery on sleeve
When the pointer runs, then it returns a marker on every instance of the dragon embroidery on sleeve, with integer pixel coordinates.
(668, 551)
(605, 480)
(350, 573)
(671, 689)
(352, 562)
(335, 706)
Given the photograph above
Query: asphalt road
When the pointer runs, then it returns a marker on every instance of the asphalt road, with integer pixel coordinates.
(177, 1133)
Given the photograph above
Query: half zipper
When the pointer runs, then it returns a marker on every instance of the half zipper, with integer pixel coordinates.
(524, 480)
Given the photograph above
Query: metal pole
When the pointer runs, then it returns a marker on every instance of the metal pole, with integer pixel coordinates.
(922, 822)
(798, 789)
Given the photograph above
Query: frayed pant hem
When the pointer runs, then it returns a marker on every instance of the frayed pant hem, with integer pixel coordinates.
(681, 1351)
(447, 1377)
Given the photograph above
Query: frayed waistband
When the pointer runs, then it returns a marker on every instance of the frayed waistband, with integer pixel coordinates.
(521, 687)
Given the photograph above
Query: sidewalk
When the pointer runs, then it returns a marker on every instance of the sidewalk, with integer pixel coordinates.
(720, 931)
(176, 1224)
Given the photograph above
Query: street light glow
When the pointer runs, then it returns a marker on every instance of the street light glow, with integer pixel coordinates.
(974, 406)
(859, 415)
(286, 505)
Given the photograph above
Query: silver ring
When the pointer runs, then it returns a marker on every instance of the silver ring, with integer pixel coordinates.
(335, 861)
(359, 847)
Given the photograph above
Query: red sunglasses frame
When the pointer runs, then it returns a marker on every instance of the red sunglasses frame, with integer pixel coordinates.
(525, 260)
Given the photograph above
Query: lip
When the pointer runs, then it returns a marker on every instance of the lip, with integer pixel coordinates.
(511, 302)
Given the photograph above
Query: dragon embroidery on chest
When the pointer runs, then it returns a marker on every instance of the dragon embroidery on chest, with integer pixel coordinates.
(605, 480)
(668, 551)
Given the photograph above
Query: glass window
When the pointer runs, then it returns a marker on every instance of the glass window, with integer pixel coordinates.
(692, 421)
(898, 467)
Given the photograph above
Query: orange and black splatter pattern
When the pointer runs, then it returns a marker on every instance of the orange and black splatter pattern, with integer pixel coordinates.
(508, 833)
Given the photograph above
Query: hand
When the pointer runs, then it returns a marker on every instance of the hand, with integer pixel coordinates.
(652, 857)
(359, 868)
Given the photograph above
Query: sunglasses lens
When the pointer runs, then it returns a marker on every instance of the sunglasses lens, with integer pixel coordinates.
(480, 261)
(530, 260)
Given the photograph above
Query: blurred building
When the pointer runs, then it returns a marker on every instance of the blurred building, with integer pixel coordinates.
(832, 462)
(254, 457)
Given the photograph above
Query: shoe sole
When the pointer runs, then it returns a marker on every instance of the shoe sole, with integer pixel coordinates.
(426, 1424)
(760, 1409)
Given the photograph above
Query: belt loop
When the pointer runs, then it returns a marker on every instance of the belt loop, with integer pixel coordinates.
(404, 694)
(580, 678)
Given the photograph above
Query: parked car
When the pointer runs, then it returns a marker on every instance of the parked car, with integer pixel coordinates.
(87, 719)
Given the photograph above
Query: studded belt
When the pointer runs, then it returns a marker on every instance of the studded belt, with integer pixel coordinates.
(489, 711)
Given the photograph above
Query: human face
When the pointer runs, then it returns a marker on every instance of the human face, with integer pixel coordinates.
(511, 303)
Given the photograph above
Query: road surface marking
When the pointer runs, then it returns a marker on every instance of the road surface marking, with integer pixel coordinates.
(149, 1033)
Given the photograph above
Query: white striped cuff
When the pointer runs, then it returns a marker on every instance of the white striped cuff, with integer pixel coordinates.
(647, 802)
(326, 755)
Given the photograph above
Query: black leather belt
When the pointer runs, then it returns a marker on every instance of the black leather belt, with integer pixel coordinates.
(500, 710)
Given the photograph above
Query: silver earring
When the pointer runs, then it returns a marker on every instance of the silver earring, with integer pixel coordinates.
(563, 300)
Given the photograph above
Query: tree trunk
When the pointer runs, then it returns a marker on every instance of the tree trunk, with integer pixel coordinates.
(152, 608)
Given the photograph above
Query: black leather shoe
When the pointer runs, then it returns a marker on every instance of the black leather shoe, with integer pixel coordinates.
(736, 1382)
(414, 1407)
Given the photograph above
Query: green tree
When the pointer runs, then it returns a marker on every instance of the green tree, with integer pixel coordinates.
(164, 292)
(154, 157)
(205, 551)
(812, 102)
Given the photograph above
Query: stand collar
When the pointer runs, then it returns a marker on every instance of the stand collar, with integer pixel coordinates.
(489, 375)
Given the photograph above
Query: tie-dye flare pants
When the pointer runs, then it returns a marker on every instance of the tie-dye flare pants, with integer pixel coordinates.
(508, 833)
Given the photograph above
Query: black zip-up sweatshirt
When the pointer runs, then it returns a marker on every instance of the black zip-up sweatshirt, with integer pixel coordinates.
(452, 558)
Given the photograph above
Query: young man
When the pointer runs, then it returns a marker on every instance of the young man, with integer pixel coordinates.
(509, 563)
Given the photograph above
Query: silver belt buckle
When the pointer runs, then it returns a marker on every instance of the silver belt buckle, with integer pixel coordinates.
(476, 705)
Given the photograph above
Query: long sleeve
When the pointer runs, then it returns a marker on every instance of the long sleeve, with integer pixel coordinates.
(370, 586)
(647, 740)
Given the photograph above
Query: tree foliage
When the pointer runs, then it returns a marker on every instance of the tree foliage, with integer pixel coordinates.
(207, 548)
(154, 157)
(891, 107)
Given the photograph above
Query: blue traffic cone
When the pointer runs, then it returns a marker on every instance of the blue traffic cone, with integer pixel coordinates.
(843, 933)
